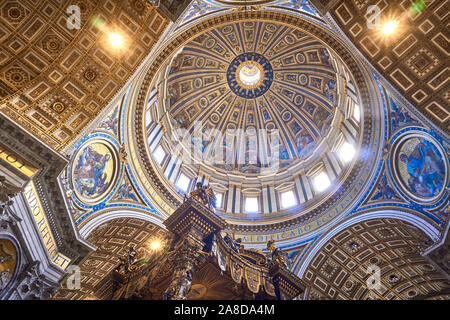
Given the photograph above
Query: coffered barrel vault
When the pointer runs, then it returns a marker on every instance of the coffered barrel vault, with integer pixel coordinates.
(56, 78)
(414, 59)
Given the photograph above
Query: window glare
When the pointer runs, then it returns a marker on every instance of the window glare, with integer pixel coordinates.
(321, 182)
(219, 198)
(288, 199)
(183, 182)
(159, 154)
(347, 152)
(356, 113)
(251, 204)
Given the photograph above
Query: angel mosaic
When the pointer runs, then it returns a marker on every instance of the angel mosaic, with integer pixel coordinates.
(89, 175)
(126, 192)
(111, 122)
(422, 167)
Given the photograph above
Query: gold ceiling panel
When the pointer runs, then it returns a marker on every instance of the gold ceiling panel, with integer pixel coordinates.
(343, 267)
(54, 80)
(414, 59)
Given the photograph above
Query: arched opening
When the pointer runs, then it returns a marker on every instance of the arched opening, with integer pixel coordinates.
(113, 239)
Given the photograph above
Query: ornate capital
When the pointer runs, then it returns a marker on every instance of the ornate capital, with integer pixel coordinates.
(33, 285)
(7, 192)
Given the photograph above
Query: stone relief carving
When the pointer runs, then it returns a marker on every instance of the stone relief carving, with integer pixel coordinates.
(7, 191)
(32, 285)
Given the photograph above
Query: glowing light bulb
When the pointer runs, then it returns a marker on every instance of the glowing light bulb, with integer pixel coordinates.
(389, 27)
(155, 245)
(115, 39)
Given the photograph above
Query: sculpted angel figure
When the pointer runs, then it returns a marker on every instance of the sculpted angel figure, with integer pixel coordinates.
(276, 254)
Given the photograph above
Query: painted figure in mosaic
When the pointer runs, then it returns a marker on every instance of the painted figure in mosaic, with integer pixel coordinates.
(399, 116)
(89, 173)
(99, 167)
(304, 145)
(126, 192)
(182, 121)
(384, 190)
(330, 90)
(426, 169)
(284, 155)
(111, 122)
(322, 118)
(175, 66)
(172, 95)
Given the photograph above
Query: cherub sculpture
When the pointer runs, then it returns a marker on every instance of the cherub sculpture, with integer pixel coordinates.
(277, 255)
(127, 261)
(233, 244)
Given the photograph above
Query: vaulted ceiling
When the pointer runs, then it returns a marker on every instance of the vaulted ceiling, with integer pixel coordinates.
(340, 269)
(298, 96)
(415, 59)
(112, 240)
(54, 80)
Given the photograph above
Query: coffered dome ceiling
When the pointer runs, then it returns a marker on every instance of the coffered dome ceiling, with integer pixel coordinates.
(259, 106)
(295, 102)
(254, 76)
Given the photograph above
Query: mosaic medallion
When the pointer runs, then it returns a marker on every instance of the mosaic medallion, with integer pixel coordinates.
(8, 262)
(421, 168)
(249, 75)
(94, 171)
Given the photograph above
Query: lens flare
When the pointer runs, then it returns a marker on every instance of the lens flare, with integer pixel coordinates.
(97, 22)
(418, 6)
(115, 40)
(155, 245)
(389, 27)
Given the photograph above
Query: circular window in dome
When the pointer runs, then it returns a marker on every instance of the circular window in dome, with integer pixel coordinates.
(250, 74)
(291, 122)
